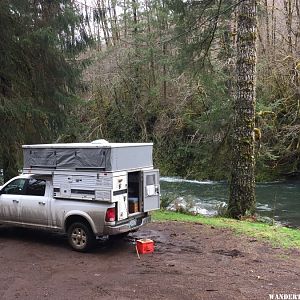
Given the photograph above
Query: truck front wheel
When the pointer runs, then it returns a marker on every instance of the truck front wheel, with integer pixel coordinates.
(81, 237)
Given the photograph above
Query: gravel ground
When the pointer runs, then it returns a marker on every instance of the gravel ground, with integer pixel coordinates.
(190, 261)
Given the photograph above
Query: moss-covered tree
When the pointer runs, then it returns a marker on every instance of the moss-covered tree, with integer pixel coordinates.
(242, 185)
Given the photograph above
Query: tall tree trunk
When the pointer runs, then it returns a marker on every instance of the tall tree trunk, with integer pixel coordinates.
(102, 15)
(105, 22)
(242, 185)
(274, 28)
(137, 84)
(99, 37)
(110, 21)
(125, 18)
(297, 35)
(267, 23)
(288, 21)
(152, 77)
(88, 18)
(164, 27)
(164, 46)
(115, 19)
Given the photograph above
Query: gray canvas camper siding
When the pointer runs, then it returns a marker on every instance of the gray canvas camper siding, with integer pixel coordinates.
(88, 156)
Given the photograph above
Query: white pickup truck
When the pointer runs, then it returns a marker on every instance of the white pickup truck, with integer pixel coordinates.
(27, 201)
(86, 190)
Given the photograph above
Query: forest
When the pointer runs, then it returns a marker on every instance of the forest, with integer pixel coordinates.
(148, 70)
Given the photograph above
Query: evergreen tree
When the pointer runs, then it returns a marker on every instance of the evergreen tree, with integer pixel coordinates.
(39, 43)
(242, 185)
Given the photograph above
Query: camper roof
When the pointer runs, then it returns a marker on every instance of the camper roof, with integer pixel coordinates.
(87, 145)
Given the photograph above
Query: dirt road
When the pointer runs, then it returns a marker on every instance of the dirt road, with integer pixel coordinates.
(190, 262)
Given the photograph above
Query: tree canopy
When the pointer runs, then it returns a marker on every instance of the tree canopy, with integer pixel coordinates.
(38, 73)
(160, 71)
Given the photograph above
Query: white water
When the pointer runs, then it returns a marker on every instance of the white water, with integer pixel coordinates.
(176, 179)
(278, 200)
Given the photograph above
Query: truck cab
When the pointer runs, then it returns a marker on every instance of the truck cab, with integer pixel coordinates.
(25, 199)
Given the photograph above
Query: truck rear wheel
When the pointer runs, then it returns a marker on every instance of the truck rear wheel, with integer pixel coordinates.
(81, 237)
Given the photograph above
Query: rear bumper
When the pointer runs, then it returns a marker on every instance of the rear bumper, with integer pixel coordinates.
(131, 225)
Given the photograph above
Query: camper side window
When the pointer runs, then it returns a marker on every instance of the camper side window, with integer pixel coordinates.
(36, 187)
(150, 179)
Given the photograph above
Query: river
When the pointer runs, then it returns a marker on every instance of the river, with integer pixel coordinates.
(277, 200)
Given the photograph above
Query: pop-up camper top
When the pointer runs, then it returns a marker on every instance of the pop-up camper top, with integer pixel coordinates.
(98, 171)
(96, 156)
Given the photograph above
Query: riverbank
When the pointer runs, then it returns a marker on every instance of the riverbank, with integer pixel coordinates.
(275, 200)
(276, 235)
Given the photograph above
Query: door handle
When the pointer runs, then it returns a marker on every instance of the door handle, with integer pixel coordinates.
(42, 203)
(16, 201)
(157, 190)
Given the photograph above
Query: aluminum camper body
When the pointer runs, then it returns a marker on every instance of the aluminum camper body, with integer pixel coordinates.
(118, 173)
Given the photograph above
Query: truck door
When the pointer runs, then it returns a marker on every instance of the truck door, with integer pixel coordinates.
(151, 190)
(10, 199)
(35, 203)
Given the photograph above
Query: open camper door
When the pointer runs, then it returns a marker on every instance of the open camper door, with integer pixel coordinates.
(151, 190)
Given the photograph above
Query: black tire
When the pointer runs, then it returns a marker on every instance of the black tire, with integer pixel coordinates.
(80, 237)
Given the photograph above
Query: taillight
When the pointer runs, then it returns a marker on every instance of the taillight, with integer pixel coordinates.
(110, 215)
